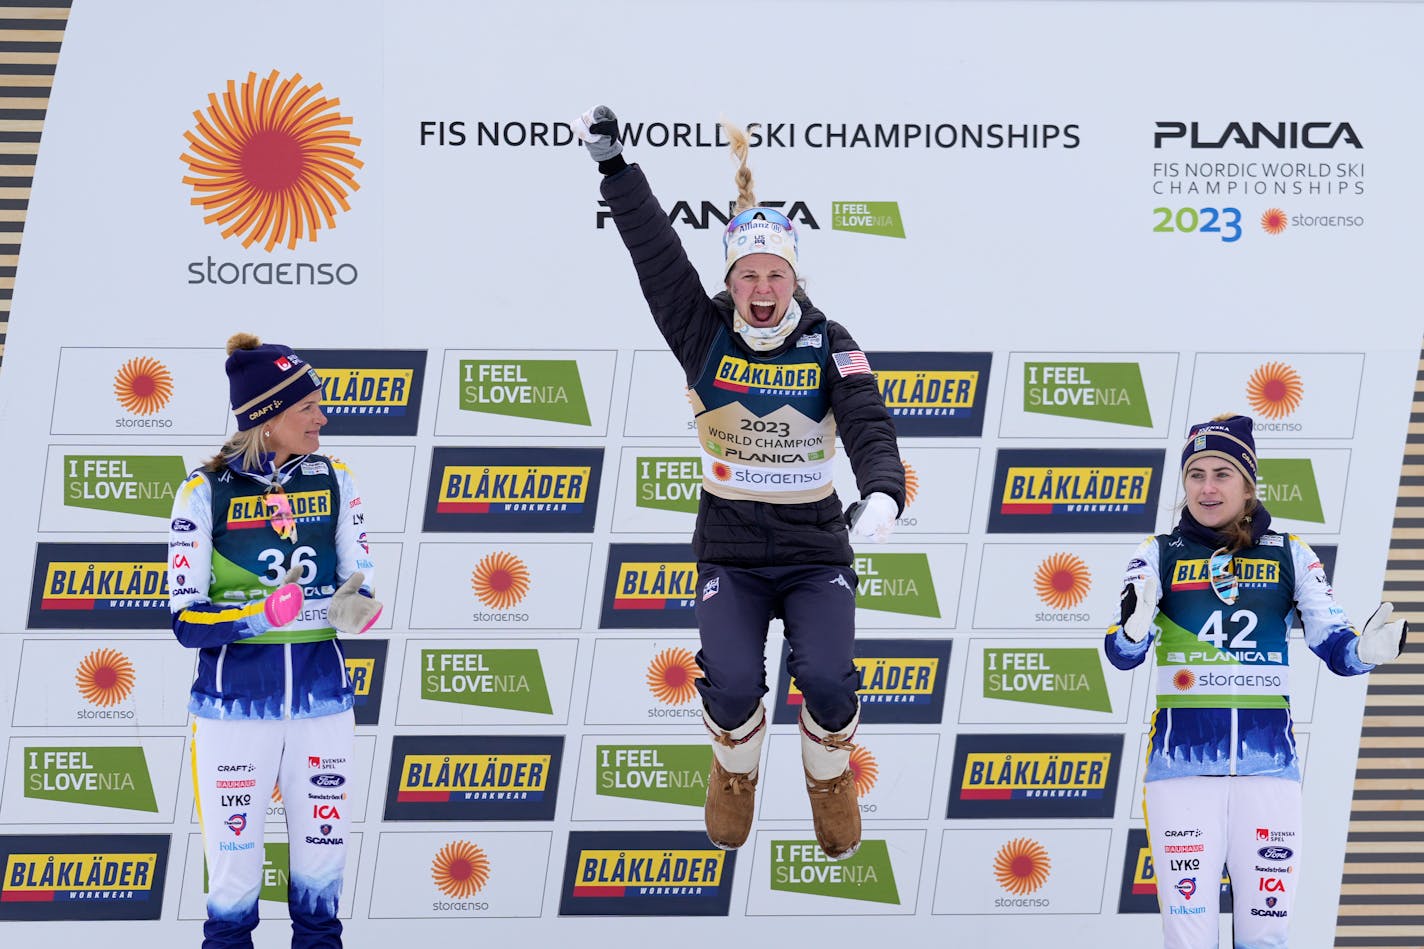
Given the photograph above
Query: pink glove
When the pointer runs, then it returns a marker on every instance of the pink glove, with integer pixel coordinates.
(284, 603)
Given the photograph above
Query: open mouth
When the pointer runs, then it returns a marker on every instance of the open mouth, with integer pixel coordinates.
(761, 313)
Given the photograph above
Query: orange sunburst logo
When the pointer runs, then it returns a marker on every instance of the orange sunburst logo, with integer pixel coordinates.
(721, 471)
(912, 483)
(1273, 221)
(269, 160)
(863, 769)
(1184, 679)
(500, 580)
(1275, 389)
(276, 794)
(671, 676)
(143, 385)
(1062, 581)
(460, 869)
(1021, 866)
(105, 677)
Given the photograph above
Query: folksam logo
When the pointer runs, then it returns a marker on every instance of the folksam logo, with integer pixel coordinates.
(143, 386)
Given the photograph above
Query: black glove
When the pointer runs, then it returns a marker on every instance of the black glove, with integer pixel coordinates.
(598, 130)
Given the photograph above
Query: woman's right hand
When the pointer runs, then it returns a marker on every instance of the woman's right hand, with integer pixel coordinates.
(598, 130)
(284, 604)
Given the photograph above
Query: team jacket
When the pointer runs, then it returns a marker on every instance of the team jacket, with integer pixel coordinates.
(223, 560)
(766, 422)
(1223, 671)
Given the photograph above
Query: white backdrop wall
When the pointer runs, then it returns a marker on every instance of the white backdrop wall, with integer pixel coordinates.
(1069, 212)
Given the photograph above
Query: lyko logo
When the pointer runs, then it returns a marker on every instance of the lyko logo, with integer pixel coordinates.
(143, 385)
(270, 161)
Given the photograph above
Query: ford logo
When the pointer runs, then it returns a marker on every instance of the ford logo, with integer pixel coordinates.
(336, 780)
(1276, 853)
(183, 525)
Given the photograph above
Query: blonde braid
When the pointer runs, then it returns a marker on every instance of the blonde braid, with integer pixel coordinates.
(746, 198)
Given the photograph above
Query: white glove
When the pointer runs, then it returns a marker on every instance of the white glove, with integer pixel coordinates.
(1137, 624)
(598, 130)
(350, 612)
(1381, 640)
(874, 517)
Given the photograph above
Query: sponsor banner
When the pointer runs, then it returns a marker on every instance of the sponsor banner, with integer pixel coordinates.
(1113, 395)
(119, 392)
(354, 792)
(1304, 489)
(1304, 671)
(1288, 395)
(462, 873)
(1050, 586)
(657, 398)
(791, 876)
(82, 876)
(1034, 776)
(902, 681)
(645, 681)
(1302, 746)
(103, 682)
(91, 780)
(525, 392)
(649, 586)
(473, 777)
(936, 394)
(908, 590)
(1075, 491)
(658, 490)
(1057, 681)
(486, 682)
(369, 391)
(366, 667)
(645, 873)
(642, 777)
(1138, 890)
(99, 586)
(383, 474)
(521, 490)
(939, 489)
(894, 776)
(1016, 871)
(500, 586)
(272, 896)
(95, 488)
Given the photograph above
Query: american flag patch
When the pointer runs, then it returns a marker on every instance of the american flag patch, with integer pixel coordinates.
(851, 362)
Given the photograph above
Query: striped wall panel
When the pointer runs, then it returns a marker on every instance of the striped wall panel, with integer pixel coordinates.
(1382, 892)
(30, 35)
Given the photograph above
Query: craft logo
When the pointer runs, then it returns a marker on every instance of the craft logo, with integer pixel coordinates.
(671, 774)
(370, 391)
(500, 581)
(460, 870)
(463, 777)
(1035, 776)
(1099, 391)
(96, 776)
(672, 676)
(127, 484)
(252, 511)
(800, 866)
(1273, 221)
(491, 678)
(868, 217)
(1021, 868)
(1075, 490)
(902, 681)
(896, 583)
(513, 489)
(366, 668)
(1274, 391)
(1138, 892)
(76, 584)
(105, 678)
(547, 389)
(645, 873)
(934, 393)
(143, 386)
(649, 586)
(669, 483)
(1061, 582)
(1251, 574)
(270, 163)
(83, 876)
(863, 770)
(793, 379)
(1288, 488)
(1061, 677)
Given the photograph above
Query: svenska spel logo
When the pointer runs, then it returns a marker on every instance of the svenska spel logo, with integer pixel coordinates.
(143, 386)
(672, 676)
(500, 580)
(1062, 581)
(270, 161)
(105, 677)
(460, 869)
(1022, 866)
(1275, 390)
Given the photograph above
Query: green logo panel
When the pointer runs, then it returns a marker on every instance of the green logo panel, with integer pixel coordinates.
(99, 777)
(127, 484)
(1287, 487)
(548, 389)
(493, 678)
(868, 217)
(799, 866)
(672, 483)
(1066, 678)
(1100, 391)
(896, 583)
(672, 774)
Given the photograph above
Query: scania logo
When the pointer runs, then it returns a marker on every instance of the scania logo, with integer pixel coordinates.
(328, 780)
(1276, 853)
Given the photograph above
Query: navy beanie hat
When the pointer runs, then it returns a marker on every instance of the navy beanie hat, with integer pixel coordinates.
(1229, 438)
(265, 379)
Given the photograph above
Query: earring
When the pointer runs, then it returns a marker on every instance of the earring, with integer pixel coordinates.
(266, 433)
